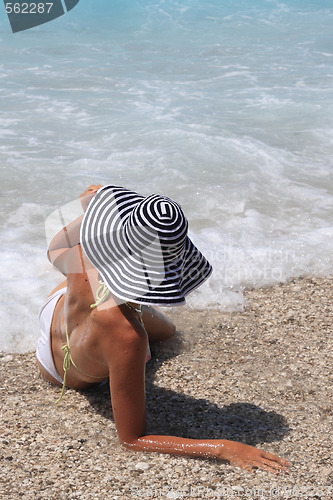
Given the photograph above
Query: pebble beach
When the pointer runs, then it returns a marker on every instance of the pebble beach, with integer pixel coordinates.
(262, 376)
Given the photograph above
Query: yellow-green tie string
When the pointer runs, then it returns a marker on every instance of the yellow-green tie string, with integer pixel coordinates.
(66, 365)
(68, 361)
(101, 295)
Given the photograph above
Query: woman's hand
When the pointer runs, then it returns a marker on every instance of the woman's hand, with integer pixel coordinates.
(91, 190)
(249, 458)
(88, 195)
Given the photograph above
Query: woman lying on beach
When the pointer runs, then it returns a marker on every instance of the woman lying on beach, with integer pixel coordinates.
(126, 255)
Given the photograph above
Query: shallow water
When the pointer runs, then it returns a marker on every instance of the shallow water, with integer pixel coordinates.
(224, 106)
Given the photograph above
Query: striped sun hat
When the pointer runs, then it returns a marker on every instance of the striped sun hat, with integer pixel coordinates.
(140, 247)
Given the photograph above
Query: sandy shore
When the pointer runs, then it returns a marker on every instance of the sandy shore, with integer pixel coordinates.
(262, 376)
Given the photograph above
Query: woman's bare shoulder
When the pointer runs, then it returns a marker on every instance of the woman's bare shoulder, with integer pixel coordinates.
(61, 286)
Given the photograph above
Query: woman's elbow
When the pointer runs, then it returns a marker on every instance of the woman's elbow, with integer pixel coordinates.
(130, 444)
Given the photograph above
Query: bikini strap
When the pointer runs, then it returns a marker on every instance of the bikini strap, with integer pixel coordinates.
(101, 295)
(66, 365)
(137, 310)
(68, 361)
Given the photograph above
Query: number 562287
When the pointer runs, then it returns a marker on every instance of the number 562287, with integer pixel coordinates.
(28, 8)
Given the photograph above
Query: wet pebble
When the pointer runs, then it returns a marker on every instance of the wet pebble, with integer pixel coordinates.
(142, 466)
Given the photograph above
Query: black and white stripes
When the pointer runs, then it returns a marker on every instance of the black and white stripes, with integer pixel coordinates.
(140, 247)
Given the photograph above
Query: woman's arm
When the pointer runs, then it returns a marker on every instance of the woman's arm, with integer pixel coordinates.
(68, 237)
(126, 360)
(63, 250)
(237, 454)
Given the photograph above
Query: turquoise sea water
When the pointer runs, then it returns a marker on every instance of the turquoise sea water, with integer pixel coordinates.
(226, 106)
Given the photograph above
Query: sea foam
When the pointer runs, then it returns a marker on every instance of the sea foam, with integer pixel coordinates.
(224, 106)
